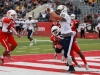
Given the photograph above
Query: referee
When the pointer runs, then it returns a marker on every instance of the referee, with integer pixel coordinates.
(82, 29)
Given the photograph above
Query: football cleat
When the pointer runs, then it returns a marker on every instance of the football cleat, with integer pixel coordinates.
(31, 44)
(2, 61)
(9, 57)
(78, 65)
(71, 69)
(86, 66)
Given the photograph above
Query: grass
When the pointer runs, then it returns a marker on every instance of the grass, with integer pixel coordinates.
(46, 46)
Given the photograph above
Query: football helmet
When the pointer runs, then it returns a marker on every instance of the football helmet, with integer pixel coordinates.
(11, 14)
(55, 30)
(72, 16)
(62, 8)
(30, 16)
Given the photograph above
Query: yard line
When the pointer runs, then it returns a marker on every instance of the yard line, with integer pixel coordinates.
(35, 49)
(33, 52)
(38, 41)
(19, 51)
(47, 49)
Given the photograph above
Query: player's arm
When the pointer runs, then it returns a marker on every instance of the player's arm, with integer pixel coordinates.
(15, 32)
(56, 17)
(8, 21)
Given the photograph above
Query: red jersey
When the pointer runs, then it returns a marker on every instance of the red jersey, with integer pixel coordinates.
(56, 24)
(73, 25)
(55, 39)
(7, 24)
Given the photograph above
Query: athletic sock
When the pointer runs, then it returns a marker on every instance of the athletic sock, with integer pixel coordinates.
(84, 60)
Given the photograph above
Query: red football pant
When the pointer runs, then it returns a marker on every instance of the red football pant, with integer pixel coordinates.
(7, 41)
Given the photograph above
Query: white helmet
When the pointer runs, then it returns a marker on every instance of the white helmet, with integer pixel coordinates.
(72, 16)
(12, 14)
(55, 30)
(63, 8)
(30, 16)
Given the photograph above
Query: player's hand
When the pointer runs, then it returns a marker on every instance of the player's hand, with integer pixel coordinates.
(59, 46)
(19, 36)
(49, 10)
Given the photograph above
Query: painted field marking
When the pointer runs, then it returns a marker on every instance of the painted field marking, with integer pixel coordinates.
(33, 52)
(19, 51)
(52, 66)
(93, 58)
(47, 49)
(35, 49)
(22, 71)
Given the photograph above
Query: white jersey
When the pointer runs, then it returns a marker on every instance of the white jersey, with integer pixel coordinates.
(82, 26)
(17, 22)
(98, 26)
(30, 24)
(65, 25)
(23, 22)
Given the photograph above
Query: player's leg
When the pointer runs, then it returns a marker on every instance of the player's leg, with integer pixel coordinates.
(62, 54)
(67, 44)
(78, 51)
(55, 55)
(30, 34)
(84, 60)
(62, 49)
(13, 43)
(73, 59)
(7, 47)
(34, 40)
(30, 38)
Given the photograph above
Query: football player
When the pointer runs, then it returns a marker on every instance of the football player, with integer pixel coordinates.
(66, 32)
(75, 46)
(55, 38)
(7, 39)
(30, 29)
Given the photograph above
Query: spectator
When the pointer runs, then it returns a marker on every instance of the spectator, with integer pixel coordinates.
(94, 22)
(86, 1)
(44, 16)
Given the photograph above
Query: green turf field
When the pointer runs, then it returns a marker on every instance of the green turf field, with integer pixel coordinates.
(45, 46)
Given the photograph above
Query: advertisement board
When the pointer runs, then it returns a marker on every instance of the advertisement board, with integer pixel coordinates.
(44, 29)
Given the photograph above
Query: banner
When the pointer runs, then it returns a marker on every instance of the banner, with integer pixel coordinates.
(44, 29)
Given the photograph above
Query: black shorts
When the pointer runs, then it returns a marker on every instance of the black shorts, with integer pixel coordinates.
(30, 33)
(67, 45)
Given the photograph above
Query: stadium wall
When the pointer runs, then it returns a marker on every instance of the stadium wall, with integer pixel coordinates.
(44, 30)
